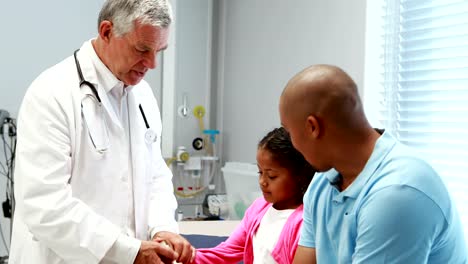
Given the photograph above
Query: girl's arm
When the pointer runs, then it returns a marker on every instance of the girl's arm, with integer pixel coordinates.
(230, 251)
(233, 249)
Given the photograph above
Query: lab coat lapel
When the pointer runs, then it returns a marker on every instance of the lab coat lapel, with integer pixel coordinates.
(89, 74)
(141, 156)
(108, 107)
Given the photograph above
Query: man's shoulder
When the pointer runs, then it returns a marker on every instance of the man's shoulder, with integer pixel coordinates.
(403, 169)
(54, 81)
(55, 76)
(403, 165)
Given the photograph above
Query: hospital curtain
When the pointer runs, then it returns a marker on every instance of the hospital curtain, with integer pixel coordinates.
(423, 85)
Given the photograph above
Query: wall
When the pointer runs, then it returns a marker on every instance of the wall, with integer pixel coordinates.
(37, 35)
(193, 68)
(263, 44)
(194, 51)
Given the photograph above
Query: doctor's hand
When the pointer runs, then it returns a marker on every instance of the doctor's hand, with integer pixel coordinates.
(154, 252)
(178, 243)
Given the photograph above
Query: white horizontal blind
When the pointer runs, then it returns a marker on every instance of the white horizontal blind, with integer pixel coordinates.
(425, 85)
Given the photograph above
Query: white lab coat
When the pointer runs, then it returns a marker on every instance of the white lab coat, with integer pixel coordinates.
(69, 207)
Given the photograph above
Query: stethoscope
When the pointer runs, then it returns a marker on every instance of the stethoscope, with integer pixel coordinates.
(150, 134)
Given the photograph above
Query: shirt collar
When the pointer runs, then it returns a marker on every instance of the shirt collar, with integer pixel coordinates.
(382, 147)
(104, 77)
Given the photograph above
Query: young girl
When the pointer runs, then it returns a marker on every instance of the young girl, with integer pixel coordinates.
(269, 231)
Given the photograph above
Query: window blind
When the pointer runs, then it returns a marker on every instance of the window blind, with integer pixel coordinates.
(424, 85)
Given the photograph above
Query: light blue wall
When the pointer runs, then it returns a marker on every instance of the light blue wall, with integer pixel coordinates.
(35, 36)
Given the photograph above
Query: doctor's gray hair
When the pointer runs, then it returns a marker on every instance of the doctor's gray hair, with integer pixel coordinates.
(123, 14)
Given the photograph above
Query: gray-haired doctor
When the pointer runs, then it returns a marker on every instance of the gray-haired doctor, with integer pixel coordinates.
(91, 185)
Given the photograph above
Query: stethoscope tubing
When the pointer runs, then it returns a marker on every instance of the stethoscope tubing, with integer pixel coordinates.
(82, 80)
(150, 134)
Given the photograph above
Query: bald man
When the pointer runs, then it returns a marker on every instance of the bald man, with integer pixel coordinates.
(374, 201)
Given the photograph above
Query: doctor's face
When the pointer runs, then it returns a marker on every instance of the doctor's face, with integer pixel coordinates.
(134, 53)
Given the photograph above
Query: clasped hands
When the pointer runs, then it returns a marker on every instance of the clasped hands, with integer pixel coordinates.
(165, 248)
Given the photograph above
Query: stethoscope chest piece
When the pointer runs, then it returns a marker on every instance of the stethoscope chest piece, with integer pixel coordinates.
(150, 136)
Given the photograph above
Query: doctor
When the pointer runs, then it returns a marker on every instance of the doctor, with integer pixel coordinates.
(91, 184)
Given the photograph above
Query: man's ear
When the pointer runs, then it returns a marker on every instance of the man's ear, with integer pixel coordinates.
(105, 30)
(313, 126)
